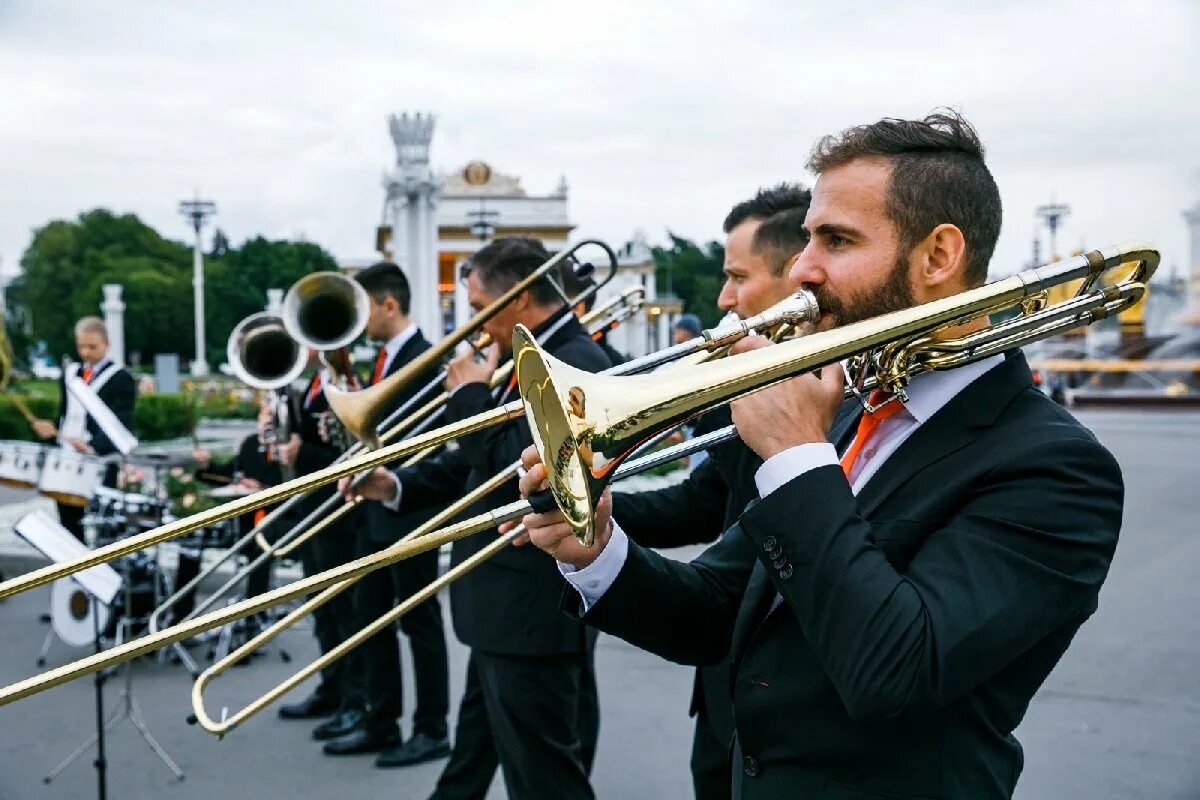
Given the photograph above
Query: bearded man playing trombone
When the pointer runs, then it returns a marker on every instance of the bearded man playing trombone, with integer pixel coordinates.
(522, 708)
(918, 570)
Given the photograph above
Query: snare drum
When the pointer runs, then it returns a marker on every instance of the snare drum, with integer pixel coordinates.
(69, 477)
(20, 464)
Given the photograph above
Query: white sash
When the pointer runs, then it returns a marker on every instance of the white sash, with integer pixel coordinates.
(74, 425)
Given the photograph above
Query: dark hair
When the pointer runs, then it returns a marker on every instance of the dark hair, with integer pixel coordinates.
(384, 280)
(502, 264)
(781, 210)
(938, 176)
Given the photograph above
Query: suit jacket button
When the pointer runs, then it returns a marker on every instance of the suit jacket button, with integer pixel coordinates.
(779, 562)
(776, 553)
(786, 572)
(750, 766)
(770, 544)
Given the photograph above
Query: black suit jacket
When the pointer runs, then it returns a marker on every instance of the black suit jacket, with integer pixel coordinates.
(696, 511)
(508, 604)
(119, 393)
(918, 618)
(383, 526)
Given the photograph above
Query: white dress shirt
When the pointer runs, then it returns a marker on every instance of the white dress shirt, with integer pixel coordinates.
(394, 344)
(927, 394)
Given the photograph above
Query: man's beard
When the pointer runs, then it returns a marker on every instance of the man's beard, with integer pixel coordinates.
(894, 294)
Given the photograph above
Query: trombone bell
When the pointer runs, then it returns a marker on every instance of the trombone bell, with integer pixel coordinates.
(326, 310)
(262, 354)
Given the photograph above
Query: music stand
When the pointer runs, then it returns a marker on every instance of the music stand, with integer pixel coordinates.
(101, 583)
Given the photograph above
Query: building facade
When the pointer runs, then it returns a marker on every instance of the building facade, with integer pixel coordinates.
(434, 222)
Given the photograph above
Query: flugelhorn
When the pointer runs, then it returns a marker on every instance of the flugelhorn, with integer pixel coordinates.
(584, 425)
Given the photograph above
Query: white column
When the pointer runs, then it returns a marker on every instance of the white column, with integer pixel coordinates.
(200, 364)
(114, 319)
(274, 301)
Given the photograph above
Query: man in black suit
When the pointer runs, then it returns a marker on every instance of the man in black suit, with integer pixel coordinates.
(763, 235)
(903, 606)
(400, 343)
(76, 429)
(522, 706)
(340, 693)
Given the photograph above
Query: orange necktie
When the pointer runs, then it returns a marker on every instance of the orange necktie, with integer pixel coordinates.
(87, 374)
(867, 427)
(380, 360)
(312, 390)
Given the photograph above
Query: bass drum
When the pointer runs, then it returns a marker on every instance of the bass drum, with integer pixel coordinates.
(72, 612)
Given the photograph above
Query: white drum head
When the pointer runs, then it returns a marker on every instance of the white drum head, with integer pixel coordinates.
(71, 610)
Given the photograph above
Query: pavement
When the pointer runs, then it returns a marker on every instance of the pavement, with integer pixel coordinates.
(1118, 718)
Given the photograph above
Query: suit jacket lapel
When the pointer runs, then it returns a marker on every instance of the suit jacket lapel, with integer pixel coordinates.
(950, 429)
(756, 604)
(407, 352)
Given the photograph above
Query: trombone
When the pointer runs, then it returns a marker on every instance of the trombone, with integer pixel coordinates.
(611, 314)
(361, 411)
(585, 425)
(795, 313)
(263, 355)
(341, 299)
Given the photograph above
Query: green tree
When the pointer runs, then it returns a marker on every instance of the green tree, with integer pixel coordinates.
(693, 273)
(67, 262)
(236, 286)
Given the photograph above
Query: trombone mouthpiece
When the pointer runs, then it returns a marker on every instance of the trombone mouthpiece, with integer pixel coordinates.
(800, 309)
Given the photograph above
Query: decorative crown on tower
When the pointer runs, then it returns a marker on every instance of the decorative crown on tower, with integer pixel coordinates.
(411, 134)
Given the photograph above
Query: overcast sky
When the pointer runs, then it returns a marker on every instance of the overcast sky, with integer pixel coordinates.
(661, 115)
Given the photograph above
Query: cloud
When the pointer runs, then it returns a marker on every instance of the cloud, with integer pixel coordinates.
(660, 115)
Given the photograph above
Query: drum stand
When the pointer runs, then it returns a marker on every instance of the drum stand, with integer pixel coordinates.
(127, 708)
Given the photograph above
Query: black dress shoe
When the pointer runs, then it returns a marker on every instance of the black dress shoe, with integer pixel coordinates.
(362, 741)
(418, 749)
(344, 722)
(311, 707)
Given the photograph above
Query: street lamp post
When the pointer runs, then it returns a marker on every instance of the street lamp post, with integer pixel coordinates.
(482, 223)
(197, 211)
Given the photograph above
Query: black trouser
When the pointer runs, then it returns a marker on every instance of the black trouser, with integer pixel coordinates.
(521, 713)
(589, 702)
(71, 518)
(257, 582)
(711, 776)
(374, 595)
(335, 621)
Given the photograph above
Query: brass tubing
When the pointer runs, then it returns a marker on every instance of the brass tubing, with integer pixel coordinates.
(298, 613)
(333, 472)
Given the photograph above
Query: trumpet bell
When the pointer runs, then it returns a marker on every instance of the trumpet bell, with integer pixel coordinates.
(263, 354)
(326, 310)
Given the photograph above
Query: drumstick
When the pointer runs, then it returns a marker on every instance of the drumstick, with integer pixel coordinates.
(19, 404)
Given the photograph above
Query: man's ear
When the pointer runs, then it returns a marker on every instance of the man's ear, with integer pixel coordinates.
(941, 261)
